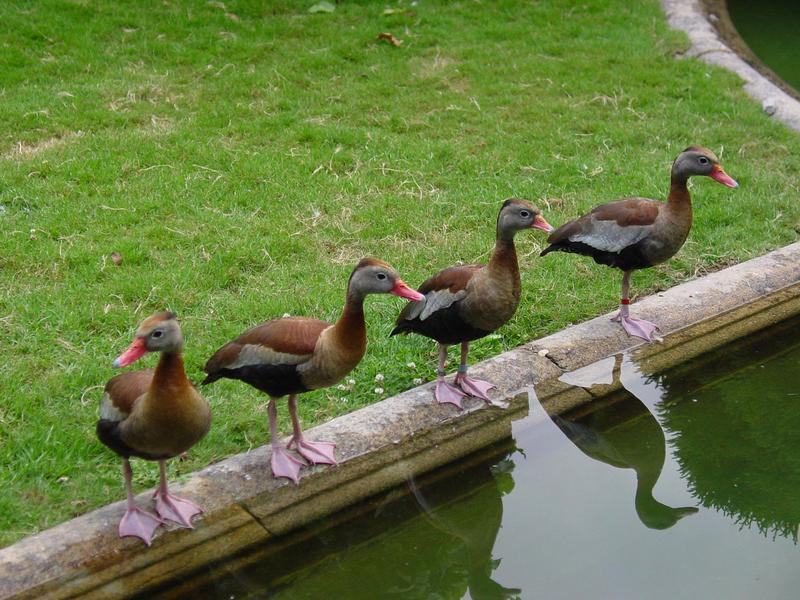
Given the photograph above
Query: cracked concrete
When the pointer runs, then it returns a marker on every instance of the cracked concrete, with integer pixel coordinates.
(688, 16)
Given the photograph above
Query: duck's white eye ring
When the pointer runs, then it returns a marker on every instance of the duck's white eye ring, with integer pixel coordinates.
(524, 214)
(703, 160)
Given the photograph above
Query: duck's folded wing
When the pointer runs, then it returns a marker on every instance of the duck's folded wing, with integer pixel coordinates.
(122, 392)
(441, 291)
(611, 227)
(287, 341)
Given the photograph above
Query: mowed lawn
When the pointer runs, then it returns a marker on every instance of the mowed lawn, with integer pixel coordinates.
(242, 156)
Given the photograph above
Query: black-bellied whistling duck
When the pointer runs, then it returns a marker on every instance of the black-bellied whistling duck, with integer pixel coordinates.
(154, 414)
(636, 233)
(292, 355)
(468, 302)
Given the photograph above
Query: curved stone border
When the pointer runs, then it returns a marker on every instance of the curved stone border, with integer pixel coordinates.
(689, 17)
(379, 446)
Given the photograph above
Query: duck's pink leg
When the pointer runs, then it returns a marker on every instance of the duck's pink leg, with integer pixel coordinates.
(136, 522)
(318, 453)
(472, 387)
(173, 508)
(632, 325)
(283, 464)
(444, 392)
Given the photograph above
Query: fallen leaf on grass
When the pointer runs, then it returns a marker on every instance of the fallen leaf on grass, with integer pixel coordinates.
(398, 11)
(322, 7)
(388, 37)
(116, 258)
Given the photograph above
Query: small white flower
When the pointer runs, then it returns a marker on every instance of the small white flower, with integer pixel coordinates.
(378, 390)
(286, 315)
(379, 377)
(418, 381)
(343, 399)
(341, 387)
(351, 382)
(411, 365)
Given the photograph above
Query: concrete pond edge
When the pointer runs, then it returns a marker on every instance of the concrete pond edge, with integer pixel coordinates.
(379, 446)
(690, 17)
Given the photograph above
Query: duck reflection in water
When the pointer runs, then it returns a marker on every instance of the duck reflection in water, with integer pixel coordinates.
(628, 437)
(487, 483)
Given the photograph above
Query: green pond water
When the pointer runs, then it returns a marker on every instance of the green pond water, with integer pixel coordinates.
(684, 485)
(771, 29)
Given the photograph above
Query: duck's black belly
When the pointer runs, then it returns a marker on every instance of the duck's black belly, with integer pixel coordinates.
(275, 380)
(629, 259)
(446, 326)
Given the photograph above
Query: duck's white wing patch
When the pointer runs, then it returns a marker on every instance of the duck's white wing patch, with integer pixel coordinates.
(255, 354)
(110, 412)
(439, 299)
(610, 237)
(414, 310)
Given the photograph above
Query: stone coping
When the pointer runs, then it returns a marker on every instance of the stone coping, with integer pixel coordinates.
(688, 16)
(380, 445)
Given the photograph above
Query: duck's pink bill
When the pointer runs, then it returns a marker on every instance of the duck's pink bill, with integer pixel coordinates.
(134, 352)
(540, 223)
(402, 290)
(720, 175)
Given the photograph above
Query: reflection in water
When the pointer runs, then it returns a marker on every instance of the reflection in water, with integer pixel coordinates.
(736, 438)
(436, 541)
(475, 533)
(628, 437)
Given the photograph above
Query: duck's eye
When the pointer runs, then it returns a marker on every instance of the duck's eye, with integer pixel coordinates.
(381, 276)
(157, 333)
(703, 160)
(524, 214)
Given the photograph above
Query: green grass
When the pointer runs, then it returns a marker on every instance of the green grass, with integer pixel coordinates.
(242, 157)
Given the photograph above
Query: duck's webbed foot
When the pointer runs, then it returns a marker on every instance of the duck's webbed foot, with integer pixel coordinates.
(318, 453)
(179, 510)
(448, 394)
(139, 523)
(637, 327)
(285, 465)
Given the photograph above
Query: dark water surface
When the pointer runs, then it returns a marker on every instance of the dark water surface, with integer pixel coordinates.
(772, 30)
(685, 486)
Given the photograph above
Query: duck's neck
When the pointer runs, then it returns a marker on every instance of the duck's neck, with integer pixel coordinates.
(169, 378)
(503, 262)
(651, 512)
(679, 201)
(350, 331)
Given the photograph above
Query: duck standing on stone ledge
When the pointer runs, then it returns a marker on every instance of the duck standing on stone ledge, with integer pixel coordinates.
(292, 355)
(636, 233)
(155, 415)
(468, 302)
